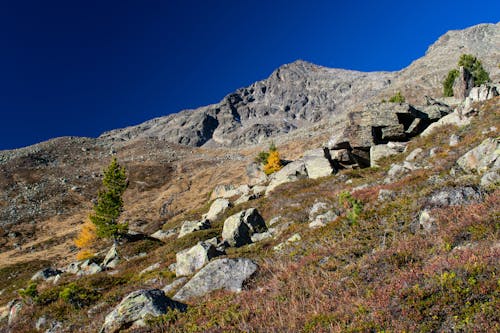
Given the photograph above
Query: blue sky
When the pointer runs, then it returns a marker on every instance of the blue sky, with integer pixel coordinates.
(83, 67)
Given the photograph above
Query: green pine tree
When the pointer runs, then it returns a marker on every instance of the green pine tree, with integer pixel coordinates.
(474, 66)
(110, 203)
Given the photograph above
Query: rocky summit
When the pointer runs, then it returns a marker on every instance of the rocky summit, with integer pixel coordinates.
(379, 212)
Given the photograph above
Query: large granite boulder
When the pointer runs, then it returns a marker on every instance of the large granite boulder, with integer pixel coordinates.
(482, 158)
(289, 173)
(239, 228)
(192, 226)
(133, 309)
(194, 258)
(112, 259)
(318, 163)
(227, 274)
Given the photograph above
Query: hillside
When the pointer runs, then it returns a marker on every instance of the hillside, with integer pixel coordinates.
(384, 218)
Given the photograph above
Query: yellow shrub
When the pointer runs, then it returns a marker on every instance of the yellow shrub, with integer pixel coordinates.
(86, 236)
(273, 163)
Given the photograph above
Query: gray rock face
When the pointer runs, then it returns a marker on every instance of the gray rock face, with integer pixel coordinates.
(218, 207)
(289, 173)
(192, 259)
(192, 226)
(483, 93)
(463, 84)
(483, 158)
(227, 274)
(454, 196)
(136, 306)
(239, 228)
(318, 163)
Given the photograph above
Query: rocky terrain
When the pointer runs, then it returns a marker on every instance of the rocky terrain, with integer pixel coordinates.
(384, 217)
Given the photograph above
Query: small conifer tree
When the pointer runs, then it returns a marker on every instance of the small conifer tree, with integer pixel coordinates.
(398, 98)
(473, 66)
(110, 203)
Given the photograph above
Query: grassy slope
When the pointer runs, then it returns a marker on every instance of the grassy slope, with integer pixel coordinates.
(378, 273)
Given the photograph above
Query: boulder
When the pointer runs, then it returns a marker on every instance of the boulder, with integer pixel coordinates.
(385, 195)
(317, 209)
(163, 235)
(111, 260)
(454, 118)
(463, 83)
(133, 309)
(150, 268)
(194, 258)
(239, 228)
(483, 158)
(377, 152)
(89, 267)
(415, 154)
(257, 237)
(454, 140)
(46, 274)
(227, 274)
(255, 174)
(454, 196)
(218, 207)
(281, 246)
(318, 163)
(289, 173)
(192, 226)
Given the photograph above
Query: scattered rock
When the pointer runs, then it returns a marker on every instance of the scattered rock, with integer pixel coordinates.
(229, 191)
(289, 173)
(453, 118)
(192, 226)
(490, 180)
(318, 163)
(318, 208)
(133, 309)
(150, 268)
(377, 152)
(245, 198)
(281, 246)
(163, 235)
(323, 219)
(427, 221)
(454, 140)
(385, 195)
(396, 171)
(275, 220)
(259, 190)
(414, 154)
(454, 196)
(227, 274)
(89, 267)
(218, 207)
(257, 237)
(483, 93)
(46, 274)
(482, 158)
(14, 307)
(239, 228)
(192, 259)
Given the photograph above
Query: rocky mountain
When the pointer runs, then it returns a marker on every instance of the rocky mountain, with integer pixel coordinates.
(384, 216)
(300, 94)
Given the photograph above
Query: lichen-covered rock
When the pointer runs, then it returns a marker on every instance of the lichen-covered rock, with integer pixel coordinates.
(136, 306)
(163, 235)
(194, 258)
(454, 196)
(227, 274)
(239, 228)
(482, 158)
(192, 226)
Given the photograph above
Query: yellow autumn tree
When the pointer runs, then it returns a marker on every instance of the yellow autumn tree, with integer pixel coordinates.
(85, 240)
(273, 162)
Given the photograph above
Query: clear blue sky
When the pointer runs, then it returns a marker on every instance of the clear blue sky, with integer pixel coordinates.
(83, 67)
